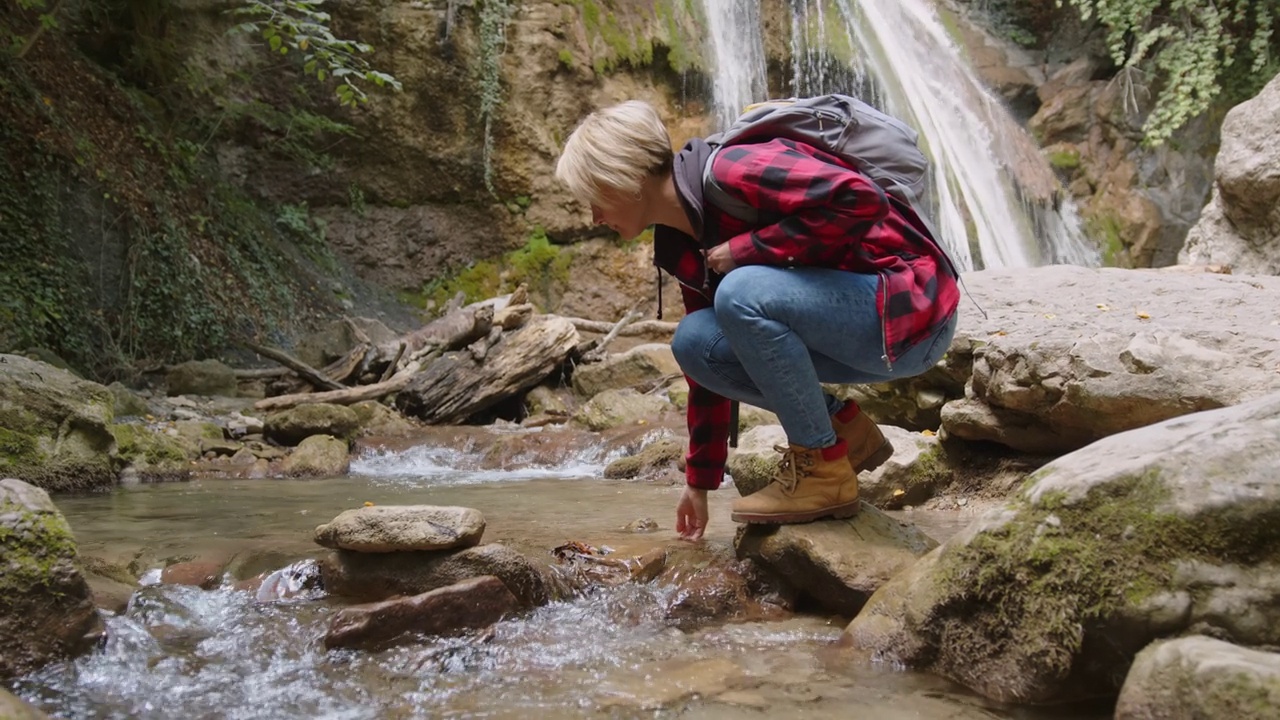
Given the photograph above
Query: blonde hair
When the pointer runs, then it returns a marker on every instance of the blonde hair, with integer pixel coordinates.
(615, 149)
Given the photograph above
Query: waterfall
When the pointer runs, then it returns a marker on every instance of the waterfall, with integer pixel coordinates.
(995, 200)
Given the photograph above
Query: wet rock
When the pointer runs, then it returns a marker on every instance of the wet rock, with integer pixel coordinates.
(753, 463)
(201, 377)
(110, 585)
(638, 368)
(641, 525)
(13, 708)
(543, 400)
(291, 427)
(220, 448)
(1149, 534)
(395, 528)
(917, 468)
(837, 563)
(616, 408)
(318, 456)
(654, 456)
(378, 576)
(1200, 677)
(46, 607)
(152, 455)
(716, 593)
(663, 683)
(204, 574)
(239, 425)
(127, 403)
(53, 427)
(472, 603)
(300, 579)
(376, 419)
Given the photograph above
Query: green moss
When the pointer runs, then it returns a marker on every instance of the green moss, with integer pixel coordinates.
(1106, 230)
(540, 264)
(566, 58)
(32, 547)
(1058, 569)
(1065, 159)
(137, 444)
(18, 449)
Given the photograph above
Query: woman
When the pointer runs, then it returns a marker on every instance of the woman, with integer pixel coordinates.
(836, 283)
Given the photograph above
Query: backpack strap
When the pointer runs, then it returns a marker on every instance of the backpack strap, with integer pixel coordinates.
(713, 193)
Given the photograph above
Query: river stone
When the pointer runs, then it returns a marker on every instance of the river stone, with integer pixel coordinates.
(1144, 535)
(917, 468)
(13, 708)
(53, 427)
(641, 365)
(318, 456)
(291, 427)
(127, 403)
(1052, 371)
(1200, 677)
(615, 408)
(753, 463)
(201, 377)
(838, 563)
(1240, 227)
(376, 419)
(394, 528)
(472, 603)
(378, 576)
(46, 609)
(657, 455)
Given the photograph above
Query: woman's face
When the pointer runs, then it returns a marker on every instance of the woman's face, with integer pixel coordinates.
(622, 212)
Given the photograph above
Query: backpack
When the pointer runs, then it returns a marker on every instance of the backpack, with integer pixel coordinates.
(879, 146)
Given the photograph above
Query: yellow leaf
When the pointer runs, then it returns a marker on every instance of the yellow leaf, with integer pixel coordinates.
(368, 504)
(928, 433)
(48, 100)
(1103, 307)
(1049, 316)
(898, 492)
(1142, 315)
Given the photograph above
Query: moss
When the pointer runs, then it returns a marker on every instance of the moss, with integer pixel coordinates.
(1107, 231)
(1065, 159)
(566, 58)
(928, 471)
(541, 265)
(136, 444)
(33, 545)
(1059, 569)
(18, 449)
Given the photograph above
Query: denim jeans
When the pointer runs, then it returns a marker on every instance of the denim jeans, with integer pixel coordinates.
(776, 333)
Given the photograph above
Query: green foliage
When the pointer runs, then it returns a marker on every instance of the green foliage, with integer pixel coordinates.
(493, 41)
(1188, 45)
(301, 26)
(541, 265)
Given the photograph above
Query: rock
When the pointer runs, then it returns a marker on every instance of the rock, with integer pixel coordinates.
(296, 580)
(378, 576)
(641, 525)
(46, 608)
(155, 456)
(126, 403)
(635, 368)
(318, 456)
(655, 455)
(542, 400)
(291, 427)
(396, 528)
(110, 585)
(1200, 677)
(53, 427)
(917, 468)
(715, 594)
(1069, 355)
(753, 463)
(335, 340)
(678, 393)
(201, 377)
(473, 603)
(1139, 536)
(838, 563)
(750, 416)
(1240, 227)
(204, 574)
(376, 419)
(13, 708)
(239, 425)
(615, 408)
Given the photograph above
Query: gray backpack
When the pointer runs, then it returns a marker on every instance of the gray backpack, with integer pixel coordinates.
(881, 147)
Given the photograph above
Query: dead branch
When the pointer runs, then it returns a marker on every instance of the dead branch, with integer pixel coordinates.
(657, 328)
(596, 353)
(310, 374)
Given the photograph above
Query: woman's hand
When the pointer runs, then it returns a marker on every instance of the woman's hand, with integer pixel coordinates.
(691, 514)
(720, 259)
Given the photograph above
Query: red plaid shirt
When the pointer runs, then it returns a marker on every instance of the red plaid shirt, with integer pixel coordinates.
(815, 211)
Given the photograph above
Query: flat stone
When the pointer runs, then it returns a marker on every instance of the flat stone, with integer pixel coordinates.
(477, 602)
(396, 528)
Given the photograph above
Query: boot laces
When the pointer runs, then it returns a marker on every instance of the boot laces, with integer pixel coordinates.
(793, 466)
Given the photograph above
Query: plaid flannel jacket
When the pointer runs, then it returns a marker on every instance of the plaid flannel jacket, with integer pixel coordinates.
(814, 211)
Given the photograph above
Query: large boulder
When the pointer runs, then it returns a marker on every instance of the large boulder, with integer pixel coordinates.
(378, 576)
(13, 708)
(201, 377)
(1240, 226)
(616, 408)
(318, 456)
(1068, 355)
(46, 609)
(53, 427)
(1140, 536)
(1200, 677)
(641, 365)
(837, 563)
(292, 426)
(398, 528)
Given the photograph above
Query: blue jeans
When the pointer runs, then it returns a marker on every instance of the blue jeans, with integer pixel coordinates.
(775, 333)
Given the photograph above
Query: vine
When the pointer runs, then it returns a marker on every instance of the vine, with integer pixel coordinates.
(493, 40)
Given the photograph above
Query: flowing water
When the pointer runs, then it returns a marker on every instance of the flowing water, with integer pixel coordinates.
(181, 652)
(995, 199)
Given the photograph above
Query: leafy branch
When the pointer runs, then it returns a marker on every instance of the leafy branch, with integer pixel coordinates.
(301, 26)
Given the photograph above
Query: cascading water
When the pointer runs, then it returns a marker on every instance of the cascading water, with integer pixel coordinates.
(739, 55)
(995, 200)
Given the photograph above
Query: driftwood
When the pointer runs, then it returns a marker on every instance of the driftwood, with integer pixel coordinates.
(308, 373)
(513, 316)
(456, 387)
(346, 396)
(596, 353)
(657, 328)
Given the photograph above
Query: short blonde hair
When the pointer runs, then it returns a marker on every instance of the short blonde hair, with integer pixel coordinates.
(615, 149)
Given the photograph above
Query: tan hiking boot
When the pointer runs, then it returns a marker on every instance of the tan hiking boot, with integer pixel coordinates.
(868, 447)
(811, 483)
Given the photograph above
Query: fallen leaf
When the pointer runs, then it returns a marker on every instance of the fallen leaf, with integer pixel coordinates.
(368, 504)
(1103, 307)
(928, 433)
(1142, 315)
(1049, 316)
(898, 492)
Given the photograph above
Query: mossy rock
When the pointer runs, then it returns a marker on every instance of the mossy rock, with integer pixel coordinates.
(291, 427)
(126, 403)
(45, 608)
(616, 408)
(1201, 677)
(318, 456)
(156, 455)
(201, 377)
(655, 455)
(1142, 535)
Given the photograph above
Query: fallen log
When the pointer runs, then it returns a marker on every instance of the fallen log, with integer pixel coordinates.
(456, 387)
(346, 396)
(657, 328)
(308, 373)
